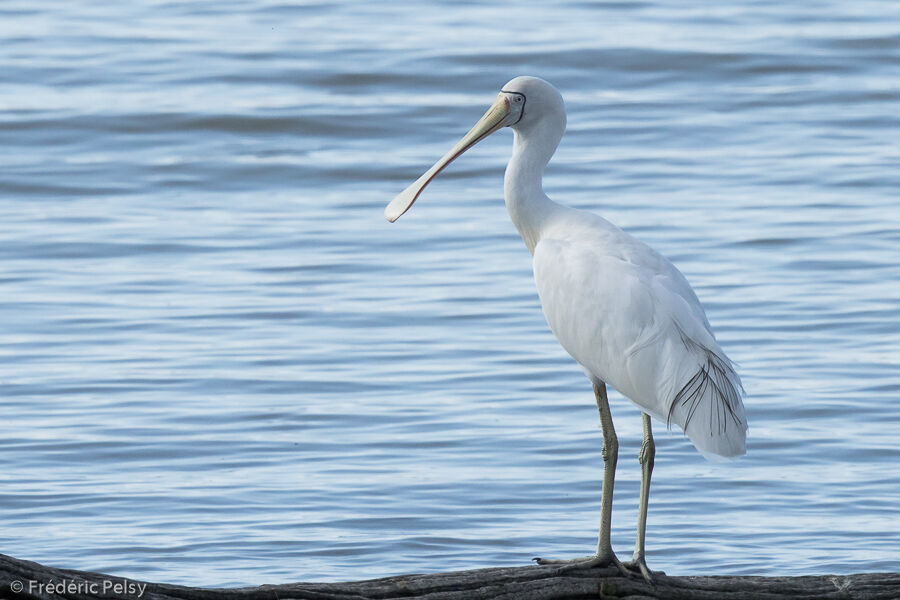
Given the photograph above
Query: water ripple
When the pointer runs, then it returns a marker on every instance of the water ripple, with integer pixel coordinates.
(221, 367)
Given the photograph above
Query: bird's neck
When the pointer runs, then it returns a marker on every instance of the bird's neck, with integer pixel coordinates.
(527, 204)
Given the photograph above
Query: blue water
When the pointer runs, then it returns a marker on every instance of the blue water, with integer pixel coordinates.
(219, 365)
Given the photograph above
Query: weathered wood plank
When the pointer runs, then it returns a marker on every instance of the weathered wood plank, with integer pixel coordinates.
(24, 580)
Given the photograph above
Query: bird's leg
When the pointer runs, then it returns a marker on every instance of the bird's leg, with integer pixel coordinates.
(645, 456)
(610, 451)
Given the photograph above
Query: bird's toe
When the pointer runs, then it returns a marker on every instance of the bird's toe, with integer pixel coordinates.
(639, 565)
(607, 559)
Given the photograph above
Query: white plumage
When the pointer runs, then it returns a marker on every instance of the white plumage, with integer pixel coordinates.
(622, 310)
(629, 317)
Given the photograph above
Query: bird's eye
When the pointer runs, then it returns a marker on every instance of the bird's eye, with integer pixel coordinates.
(517, 99)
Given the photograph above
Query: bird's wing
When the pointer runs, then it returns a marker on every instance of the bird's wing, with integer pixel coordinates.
(629, 317)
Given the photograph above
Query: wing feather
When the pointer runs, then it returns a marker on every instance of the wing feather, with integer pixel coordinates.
(631, 319)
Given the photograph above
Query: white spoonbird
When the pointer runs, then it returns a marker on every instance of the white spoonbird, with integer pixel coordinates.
(622, 310)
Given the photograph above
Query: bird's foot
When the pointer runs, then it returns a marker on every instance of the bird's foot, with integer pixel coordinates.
(640, 565)
(605, 559)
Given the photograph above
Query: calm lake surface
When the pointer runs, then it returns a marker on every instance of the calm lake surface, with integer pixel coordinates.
(220, 365)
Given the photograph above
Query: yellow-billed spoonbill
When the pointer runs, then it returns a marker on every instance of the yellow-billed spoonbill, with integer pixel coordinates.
(622, 310)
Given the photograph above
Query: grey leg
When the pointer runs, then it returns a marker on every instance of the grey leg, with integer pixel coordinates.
(610, 452)
(646, 457)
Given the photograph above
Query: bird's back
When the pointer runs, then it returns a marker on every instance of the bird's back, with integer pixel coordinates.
(631, 319)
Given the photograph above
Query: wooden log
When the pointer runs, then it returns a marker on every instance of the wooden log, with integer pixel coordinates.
(24, 580)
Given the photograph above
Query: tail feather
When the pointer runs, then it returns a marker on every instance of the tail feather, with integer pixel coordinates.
(708, 406)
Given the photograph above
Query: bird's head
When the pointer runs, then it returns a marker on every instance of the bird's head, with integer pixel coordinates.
(534, 101)
(522, 104)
